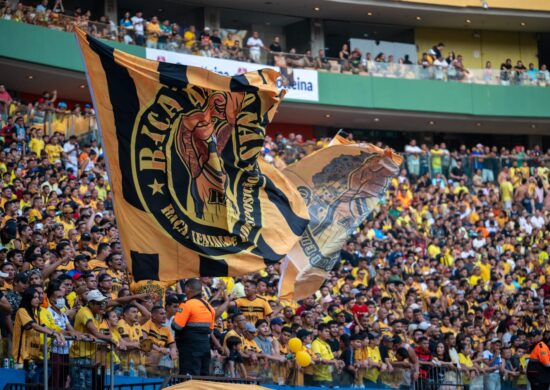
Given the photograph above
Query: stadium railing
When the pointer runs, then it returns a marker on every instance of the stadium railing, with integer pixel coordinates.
(364, 67)
(489, 165)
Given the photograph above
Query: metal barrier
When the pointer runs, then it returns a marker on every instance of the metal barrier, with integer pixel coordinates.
(75, 364)
(438, 377)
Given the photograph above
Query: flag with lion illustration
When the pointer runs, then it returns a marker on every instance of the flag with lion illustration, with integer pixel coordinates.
(182, 146)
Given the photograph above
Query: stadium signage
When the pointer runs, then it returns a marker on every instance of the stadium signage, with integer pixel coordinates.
(303, 83)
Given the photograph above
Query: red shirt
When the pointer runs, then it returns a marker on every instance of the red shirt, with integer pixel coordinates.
(360, 310)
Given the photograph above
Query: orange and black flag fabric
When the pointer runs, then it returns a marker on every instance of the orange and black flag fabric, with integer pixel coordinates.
(182, 145)
(341, 185)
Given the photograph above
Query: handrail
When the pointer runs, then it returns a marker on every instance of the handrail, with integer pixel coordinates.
(354, 65)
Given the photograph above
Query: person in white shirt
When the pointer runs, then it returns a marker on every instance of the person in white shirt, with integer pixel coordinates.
(440, 66)
(413, 160)
(255, 44)
(71, 152)
(537, 220)
(139, 28)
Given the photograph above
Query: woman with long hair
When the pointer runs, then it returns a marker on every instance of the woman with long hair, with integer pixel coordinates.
(27, 338)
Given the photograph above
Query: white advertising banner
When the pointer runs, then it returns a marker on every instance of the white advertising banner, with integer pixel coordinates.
(305, 85)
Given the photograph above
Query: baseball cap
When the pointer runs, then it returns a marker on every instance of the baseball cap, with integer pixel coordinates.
(276, 321)
(74, 274)
(250, 328)
(86, 237)
(95, 229)
(3, 274)
(95, 296)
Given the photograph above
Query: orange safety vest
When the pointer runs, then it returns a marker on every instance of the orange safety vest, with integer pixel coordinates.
(541, 353)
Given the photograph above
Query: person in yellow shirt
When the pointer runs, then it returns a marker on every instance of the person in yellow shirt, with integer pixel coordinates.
(37, 143)
(322, 372)
(87, 321)
(26, 341)
(131, 332)
(506, 193)
(252, 306)
(190, 37)
(163, 352)
(374, 362)
(153, 33)
(53, 150)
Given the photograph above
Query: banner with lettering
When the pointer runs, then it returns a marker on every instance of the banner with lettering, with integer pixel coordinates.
(182, 145)
(303, 86)
(341, 185)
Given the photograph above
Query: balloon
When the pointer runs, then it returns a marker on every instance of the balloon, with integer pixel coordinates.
(295, 344)
(303, 359)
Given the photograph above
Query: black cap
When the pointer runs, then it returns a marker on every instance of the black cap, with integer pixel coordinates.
(86, 237)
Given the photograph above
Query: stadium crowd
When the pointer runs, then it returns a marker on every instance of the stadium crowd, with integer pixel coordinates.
(448, 280)
(166, 35)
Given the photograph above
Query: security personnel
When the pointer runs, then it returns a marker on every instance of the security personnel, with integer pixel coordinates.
(538, 368)
(193, 324)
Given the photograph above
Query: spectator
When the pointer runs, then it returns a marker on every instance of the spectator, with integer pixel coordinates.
(153, 33)
(506, 70)
(127, 28)
(322, 61)
(138, 24)
(343, 57)
(190, 37)
(255, 45)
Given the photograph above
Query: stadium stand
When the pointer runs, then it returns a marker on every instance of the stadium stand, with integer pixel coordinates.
(445, 285)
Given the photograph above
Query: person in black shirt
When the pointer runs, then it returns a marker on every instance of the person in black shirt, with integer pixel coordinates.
(334, 340)
(520, 70)
(276, 45)
(215, 39)
(505, 70)
(407, 60)
(436, 50)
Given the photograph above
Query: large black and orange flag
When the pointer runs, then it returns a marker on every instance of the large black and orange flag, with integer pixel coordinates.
(182, 145)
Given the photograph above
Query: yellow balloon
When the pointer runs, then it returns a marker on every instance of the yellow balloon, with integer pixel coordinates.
(295, 344)
(303, 359)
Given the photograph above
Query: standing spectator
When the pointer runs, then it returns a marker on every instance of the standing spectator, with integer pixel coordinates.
(190, 37)
(215, 39)
(322, 372)
(519, 70)
(493, 360)
(153, 33)
(5, 100)
(255, 45)
(532, 73)
(127, 28)
(343, 57)
(413, 158)
(164, 351)
(165, 32)
(252, 306)
(42, 7)
(26, 348)
(71, 151)
(87, 321)
(506, 70)
(139, 28)
(275, 46)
